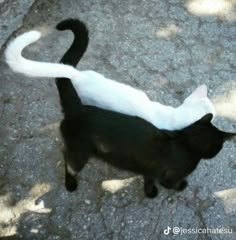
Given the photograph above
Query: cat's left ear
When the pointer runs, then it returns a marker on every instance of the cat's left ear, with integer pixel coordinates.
(228, 136)
(206, 119)
(199, 92)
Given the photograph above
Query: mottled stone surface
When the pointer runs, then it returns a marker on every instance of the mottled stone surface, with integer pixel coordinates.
(164, 47)
(12, 14)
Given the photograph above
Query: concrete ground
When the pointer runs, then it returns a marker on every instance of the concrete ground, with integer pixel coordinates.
(164, 47)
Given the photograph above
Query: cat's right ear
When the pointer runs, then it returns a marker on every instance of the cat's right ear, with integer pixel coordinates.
(199, 92)
(228, 135)
(206, 119)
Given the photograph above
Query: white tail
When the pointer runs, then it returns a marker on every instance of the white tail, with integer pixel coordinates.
(33, 68)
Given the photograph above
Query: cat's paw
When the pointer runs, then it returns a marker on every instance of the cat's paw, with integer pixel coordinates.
(71, 184)
(151, 192)
(181, 186)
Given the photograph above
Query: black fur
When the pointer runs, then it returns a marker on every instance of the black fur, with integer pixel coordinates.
(80, 43)
(131, 143)
(72, 57)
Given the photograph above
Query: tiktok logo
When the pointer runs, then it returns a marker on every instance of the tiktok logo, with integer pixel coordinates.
(167, 230)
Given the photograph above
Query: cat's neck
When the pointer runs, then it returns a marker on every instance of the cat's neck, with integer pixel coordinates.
(170, 118)
(162, 116)
(184, 116)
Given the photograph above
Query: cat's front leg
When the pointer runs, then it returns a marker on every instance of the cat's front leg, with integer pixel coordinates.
(178, 186)
(150, 188)
(181, 185)
(172, 179)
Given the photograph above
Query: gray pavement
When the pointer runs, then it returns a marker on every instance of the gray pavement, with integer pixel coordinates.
(165, 47)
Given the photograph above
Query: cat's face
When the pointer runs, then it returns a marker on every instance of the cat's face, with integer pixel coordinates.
(205, 138)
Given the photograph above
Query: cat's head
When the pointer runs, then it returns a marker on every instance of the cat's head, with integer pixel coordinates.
(199, 101)
(205, 139)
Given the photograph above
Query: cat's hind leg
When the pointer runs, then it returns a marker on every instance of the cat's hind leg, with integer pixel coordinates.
(70, 178)
(150, 188)
(74, 163)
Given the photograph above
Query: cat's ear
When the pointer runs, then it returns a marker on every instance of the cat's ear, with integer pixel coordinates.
(228, 136)
(199, 92)
(206, 119)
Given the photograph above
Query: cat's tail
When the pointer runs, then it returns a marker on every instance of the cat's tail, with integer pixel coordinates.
(20, 64)
(70, 101)
(80, 43)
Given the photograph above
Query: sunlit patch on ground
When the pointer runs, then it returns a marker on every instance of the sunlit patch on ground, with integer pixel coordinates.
(44, 29)
(226, 105)
(228, 197)
(220, 8)
(168, 32)
(49, 129)
(115, 185)
(11, 211)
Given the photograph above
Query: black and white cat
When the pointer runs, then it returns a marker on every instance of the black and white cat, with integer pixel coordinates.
(96, 90)
(128, 142)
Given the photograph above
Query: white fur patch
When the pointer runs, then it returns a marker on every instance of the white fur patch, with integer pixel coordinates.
(71, 170)
(96, 90)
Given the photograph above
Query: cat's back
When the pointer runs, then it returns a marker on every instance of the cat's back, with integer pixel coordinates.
(114, 126)
(96, 90)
